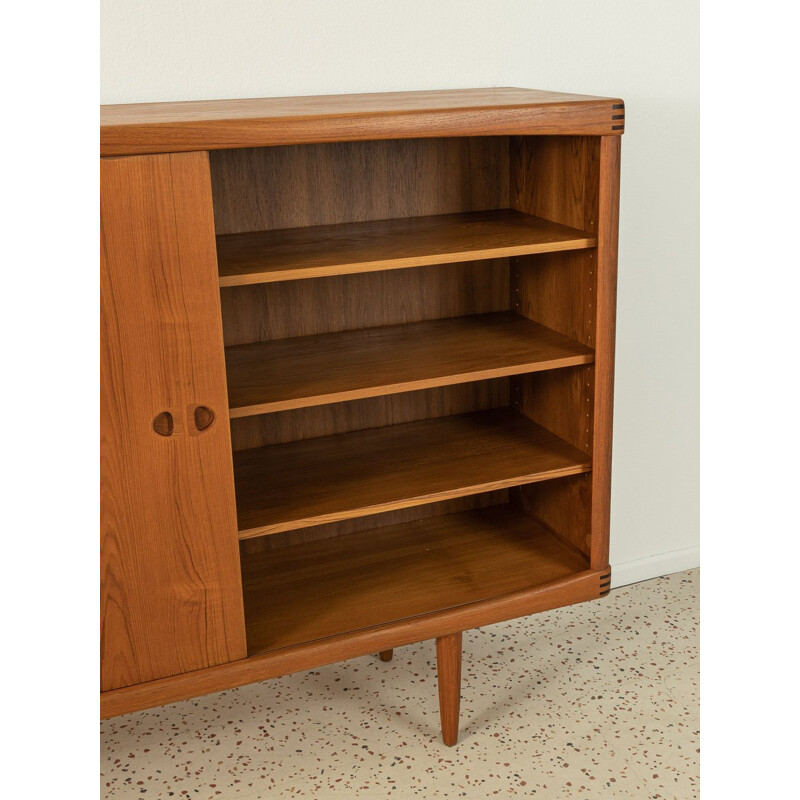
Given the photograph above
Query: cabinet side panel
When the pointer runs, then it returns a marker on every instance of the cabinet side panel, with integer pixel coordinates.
(559, 177)
(556, 177)
(170, 581)
(563, 505)
(607, 242)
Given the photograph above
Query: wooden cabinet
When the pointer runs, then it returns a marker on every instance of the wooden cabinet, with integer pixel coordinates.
(357, 371)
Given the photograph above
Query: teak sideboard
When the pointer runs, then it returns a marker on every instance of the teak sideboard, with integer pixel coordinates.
(356, 371)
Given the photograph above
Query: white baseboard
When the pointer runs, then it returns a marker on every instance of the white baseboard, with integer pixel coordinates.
(643, 569)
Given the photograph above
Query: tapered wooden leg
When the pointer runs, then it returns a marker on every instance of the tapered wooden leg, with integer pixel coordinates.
(386, 655)
(448, 666)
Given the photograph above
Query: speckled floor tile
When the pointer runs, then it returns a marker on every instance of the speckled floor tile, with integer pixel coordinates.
(598, 701)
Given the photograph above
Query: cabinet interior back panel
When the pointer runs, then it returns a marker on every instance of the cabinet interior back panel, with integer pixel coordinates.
(268, 311)
(260, 544)
(373, 412)
(267, 188)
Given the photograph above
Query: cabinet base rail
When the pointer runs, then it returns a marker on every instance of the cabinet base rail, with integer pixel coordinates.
(445, 626)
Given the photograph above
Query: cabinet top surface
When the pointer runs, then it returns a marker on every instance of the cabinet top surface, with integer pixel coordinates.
(220, 124)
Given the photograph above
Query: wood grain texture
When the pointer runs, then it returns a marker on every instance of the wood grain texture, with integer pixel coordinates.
(558, 177)
(269, 188)
(448, 671)
(558, 291)
(305, 483)
(301, 253)
(559, 400)
(313, 591)
(575, 589)
(170, 586)
(386, 655)
(417, 166)
(603, 369)
(281, 427)
(260, 544)
(267, 311)
(220, 124)
(564, 506)
(313, 370)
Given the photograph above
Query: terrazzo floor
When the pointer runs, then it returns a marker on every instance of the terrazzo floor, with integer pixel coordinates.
(598, 700)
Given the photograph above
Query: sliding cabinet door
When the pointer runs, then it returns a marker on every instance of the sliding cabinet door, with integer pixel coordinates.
(171, 597)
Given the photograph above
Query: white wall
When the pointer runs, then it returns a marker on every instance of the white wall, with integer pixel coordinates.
(645, 51)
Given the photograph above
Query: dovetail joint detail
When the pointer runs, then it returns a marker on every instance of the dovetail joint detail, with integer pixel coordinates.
(605, 584)
(614, 117)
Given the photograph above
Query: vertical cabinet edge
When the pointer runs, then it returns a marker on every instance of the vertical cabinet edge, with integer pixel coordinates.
(606, 300)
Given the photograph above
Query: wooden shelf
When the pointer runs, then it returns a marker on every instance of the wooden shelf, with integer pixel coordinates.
(294, 253)
(308, 592)
(309, 482)
(312, 370)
